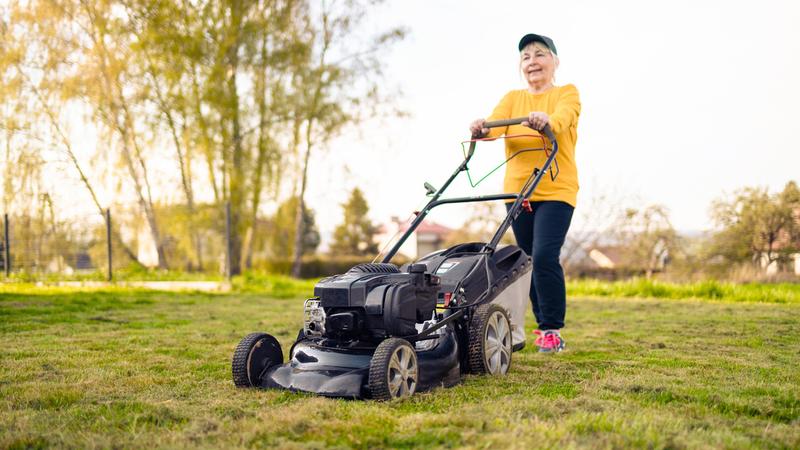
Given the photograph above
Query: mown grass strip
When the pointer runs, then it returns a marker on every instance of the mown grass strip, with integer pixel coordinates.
(130, 368)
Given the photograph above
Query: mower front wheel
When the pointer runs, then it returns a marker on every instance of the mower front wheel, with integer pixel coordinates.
(393, 371)
(256, 353)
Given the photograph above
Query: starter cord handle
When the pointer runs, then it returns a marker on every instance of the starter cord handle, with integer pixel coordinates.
(547, 131)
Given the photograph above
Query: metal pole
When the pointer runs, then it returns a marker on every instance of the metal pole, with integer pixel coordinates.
(7, 256)
(228, 248)
(108, 243)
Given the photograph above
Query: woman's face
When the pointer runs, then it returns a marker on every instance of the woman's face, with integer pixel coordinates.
(537, 64)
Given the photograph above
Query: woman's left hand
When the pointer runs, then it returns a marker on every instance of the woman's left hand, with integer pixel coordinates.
(537, 120)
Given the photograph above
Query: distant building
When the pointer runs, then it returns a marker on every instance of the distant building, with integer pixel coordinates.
(606, 257)
(784, 241)
(427, 238)
(613, 257)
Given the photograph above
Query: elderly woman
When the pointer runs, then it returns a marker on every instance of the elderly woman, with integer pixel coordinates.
(541, 233)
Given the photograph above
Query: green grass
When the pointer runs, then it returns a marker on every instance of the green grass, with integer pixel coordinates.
(277, 286)
(132, 273)
(281, 286)
(134, 368)
(705, 290)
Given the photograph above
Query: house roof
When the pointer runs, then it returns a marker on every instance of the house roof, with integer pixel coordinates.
(423, 228)
(433, 228)
(606, 256)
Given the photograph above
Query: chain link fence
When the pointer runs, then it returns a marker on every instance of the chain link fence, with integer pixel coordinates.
(102, 247)
(39, 247)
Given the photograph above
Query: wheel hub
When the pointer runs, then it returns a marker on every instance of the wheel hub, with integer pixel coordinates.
(497, 352)
(402, 373)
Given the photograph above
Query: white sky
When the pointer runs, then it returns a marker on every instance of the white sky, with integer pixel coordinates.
(682, 101)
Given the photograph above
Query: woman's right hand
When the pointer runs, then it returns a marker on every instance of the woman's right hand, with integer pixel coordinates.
(477, 129)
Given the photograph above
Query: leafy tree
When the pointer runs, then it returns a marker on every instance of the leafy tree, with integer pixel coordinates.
(237, 94)
(356, 234)
(76, 54)
(757, 227)
(34, 89)
(281, 229)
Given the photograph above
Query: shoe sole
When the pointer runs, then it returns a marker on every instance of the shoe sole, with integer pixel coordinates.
(552, 350)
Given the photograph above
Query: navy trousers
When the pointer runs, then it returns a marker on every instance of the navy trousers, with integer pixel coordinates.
(541, 235)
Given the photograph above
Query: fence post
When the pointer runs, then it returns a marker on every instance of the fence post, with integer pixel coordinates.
(108, 243)
(228, 248)
(6, 250)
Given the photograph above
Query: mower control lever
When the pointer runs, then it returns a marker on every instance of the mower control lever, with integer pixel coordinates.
(547, 131)
(429, 189)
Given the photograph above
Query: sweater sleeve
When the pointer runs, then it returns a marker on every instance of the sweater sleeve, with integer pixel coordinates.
(567, 110)
(501, 111)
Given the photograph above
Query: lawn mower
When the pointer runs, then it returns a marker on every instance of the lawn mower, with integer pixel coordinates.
(381, 332)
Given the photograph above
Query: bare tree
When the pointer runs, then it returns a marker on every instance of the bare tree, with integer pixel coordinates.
(647, 238)
(594, 224)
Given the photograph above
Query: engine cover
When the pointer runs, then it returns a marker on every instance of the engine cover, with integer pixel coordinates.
(377, 301)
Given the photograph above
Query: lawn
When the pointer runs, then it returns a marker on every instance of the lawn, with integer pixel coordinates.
(127, 368)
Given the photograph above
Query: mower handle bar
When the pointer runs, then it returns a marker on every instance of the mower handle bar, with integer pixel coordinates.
(547, 131)
(533, 181)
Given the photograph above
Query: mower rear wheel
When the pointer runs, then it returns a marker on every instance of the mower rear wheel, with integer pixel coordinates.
(256, 353)
(490, 340)
(393, 371)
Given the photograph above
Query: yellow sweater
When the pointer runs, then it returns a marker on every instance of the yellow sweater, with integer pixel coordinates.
(563, 106)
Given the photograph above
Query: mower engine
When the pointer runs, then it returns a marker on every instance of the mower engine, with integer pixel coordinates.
(371, 302)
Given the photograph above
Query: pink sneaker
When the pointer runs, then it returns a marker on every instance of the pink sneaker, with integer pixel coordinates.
(549, 341)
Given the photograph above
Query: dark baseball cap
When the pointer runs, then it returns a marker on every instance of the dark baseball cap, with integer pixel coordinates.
(528, 38)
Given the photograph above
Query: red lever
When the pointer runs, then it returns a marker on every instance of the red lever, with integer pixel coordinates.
(447, 297)
(526, 205)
